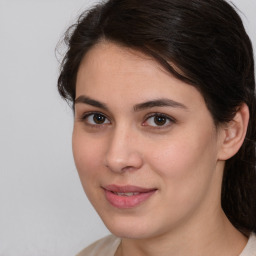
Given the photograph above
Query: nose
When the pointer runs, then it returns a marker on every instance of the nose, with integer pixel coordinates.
(123, 151)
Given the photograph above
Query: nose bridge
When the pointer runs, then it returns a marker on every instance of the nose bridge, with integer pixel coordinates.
(122, 152)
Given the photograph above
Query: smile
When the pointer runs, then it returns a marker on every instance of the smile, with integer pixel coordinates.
(125, 197)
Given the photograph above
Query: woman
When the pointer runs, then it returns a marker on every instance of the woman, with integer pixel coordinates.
(164, 133)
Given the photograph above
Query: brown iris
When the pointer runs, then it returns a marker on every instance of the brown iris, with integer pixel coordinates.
(160, 120)
(99, 119)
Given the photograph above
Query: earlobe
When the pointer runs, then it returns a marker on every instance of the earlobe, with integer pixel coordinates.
(234, 133)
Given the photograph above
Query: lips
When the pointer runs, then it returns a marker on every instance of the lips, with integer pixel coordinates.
(125, 197)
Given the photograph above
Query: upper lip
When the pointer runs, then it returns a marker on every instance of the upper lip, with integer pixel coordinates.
(127, 189)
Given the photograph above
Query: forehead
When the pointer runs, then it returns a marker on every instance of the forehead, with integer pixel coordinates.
(112, 70)
(110, 57)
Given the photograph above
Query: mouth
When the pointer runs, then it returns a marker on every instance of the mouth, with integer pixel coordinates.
(126, 194)
(125, 197)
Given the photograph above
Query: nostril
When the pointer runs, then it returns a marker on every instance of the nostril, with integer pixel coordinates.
(129, 162)
(129, 168)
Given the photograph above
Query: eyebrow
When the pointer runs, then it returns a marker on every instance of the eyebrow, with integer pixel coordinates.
(138, 107)
(159, 103)
(89, 101)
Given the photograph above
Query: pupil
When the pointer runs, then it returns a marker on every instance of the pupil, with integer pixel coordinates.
(160, 120)
(98, 119)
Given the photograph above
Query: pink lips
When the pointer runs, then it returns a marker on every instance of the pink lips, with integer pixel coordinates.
(125, 197)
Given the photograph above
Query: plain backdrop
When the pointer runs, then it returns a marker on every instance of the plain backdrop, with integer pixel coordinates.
(43, 209)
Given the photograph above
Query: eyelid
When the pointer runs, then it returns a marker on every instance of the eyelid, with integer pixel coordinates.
(171, 119)
(85, 115)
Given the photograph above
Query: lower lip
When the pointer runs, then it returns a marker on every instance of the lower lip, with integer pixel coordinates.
(126, 202)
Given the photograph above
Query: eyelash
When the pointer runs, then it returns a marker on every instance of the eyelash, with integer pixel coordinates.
(167, 118)
(85, 117)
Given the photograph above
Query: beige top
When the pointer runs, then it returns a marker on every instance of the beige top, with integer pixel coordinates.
(107, 246)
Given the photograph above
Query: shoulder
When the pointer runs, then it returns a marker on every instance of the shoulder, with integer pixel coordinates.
(106, 246)
(250, 248)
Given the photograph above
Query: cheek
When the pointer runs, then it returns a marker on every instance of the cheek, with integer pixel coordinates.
(88, 157)
(185, 161)
(186, 170)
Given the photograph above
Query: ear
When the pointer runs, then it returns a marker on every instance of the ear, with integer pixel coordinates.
(233, 133)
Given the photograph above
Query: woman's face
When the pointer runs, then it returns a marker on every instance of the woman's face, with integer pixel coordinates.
(144, 144)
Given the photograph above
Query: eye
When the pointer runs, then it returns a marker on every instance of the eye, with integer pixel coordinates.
(158, 120)
(95, 119)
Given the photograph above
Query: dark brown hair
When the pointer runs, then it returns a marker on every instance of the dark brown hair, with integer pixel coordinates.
(207, 41)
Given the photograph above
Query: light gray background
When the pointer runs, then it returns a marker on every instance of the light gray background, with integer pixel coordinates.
(43, 209)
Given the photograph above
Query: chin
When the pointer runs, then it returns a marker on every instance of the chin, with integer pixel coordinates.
(130, 228)
(130, 233)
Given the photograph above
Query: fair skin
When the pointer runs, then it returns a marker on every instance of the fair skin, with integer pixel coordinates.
(138, 127)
